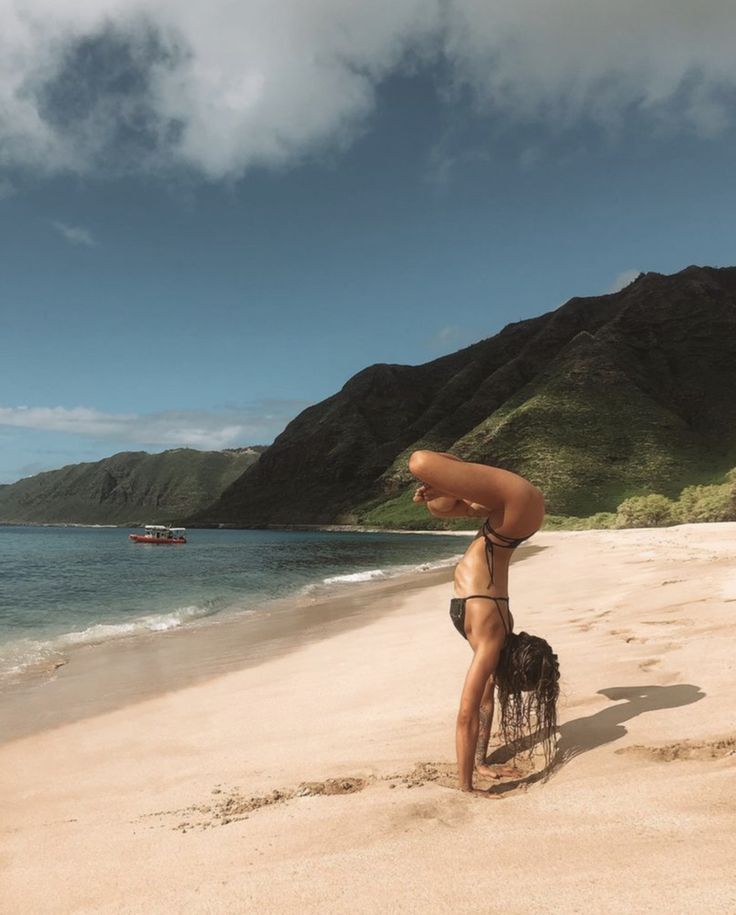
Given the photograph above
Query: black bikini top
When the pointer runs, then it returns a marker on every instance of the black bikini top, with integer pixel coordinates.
(506, 543)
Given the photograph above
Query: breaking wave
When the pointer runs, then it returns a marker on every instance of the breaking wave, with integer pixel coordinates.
(350, 578)
(46, 654)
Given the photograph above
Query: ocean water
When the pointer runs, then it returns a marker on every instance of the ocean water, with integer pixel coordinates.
(61, 587)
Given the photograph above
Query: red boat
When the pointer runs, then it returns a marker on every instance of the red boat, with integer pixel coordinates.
(160, 533)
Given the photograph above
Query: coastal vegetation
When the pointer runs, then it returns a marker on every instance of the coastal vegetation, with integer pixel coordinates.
(715, 502)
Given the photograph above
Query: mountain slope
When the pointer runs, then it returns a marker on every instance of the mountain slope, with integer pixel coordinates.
(131, 487)
(604, 397)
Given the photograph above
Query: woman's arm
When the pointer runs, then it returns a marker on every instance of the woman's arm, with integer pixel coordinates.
(484, 663)
(485, 720)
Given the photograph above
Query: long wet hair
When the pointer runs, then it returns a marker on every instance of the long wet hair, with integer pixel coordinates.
(528, 682)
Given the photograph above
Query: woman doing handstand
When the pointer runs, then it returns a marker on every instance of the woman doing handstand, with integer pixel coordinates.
(520, 666)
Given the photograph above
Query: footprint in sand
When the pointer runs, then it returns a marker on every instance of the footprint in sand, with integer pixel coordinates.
(586, 617)
(231, 804)
(450, 811)
(685, 749)
(649, 663)
(667, 622)
(627, 636)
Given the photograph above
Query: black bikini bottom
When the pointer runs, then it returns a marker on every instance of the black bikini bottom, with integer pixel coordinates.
(457, 611)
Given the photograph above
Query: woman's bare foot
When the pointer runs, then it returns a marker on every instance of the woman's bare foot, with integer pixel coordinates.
(497, 771)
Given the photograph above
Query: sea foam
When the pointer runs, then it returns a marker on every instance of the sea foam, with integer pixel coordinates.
(389, 572)
(19, 655)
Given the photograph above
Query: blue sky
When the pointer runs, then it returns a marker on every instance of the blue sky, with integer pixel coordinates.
(199, 284)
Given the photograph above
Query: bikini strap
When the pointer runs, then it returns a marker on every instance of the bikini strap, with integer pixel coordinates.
(507, 630)
(507, 543)
(485, 597)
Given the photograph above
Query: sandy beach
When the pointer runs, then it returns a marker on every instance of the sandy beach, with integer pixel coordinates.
(319, 776)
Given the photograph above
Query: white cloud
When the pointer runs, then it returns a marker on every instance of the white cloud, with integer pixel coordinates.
(217, 86)
(75, 235)
(223, 86)
(592, 58)
(623, 280)
(255, 424)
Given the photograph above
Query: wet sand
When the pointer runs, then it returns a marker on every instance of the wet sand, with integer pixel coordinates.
(318, 776)
(96, 678)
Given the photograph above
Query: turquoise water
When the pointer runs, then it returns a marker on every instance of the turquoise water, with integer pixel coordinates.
(65, 586)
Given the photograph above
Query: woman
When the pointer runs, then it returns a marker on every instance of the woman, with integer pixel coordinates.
(522, 667)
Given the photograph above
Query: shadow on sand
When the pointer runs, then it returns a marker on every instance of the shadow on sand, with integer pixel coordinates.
(582, 734)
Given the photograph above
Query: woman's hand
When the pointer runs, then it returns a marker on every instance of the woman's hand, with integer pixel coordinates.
(438, 503)
(426, 493)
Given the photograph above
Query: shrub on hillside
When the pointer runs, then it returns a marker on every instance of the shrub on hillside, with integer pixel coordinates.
(573, 523)
(602, 520)
(646, 511)
(707, 503)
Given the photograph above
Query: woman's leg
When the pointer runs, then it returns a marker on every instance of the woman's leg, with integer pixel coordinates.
(503, 493)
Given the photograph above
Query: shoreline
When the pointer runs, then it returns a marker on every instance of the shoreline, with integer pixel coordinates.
(95, 678)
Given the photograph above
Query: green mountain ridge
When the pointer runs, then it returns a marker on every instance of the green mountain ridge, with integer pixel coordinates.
(606, 397)
(129, 488)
